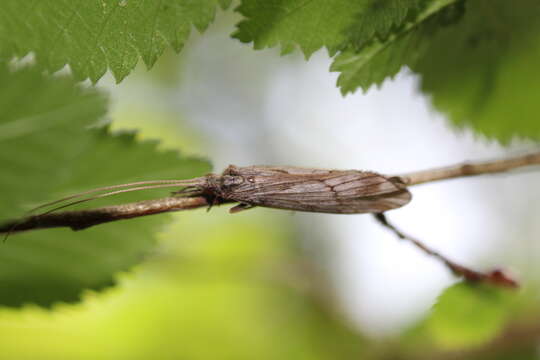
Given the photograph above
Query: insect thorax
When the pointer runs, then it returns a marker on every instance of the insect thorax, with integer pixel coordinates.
(222, 185)
(228, 181)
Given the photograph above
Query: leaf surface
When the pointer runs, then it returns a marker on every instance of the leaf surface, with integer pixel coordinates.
(92, 36)
(380, 18)
(483, 71)
(478, 62)
(378, 60)
(467, 315)
(48, 151)
(312, 24)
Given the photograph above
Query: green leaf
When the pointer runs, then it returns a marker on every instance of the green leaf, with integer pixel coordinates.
(313, 24)
(92, 36)
(481, 70)
(382, 59)
(375, 62)
(238, 283)
(46, 152)
(381, 18)
(468, 315)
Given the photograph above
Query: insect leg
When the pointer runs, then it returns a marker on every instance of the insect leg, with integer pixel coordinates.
(187, 191)
(240, 207)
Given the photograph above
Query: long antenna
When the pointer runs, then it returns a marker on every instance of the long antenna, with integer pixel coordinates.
(152, 184)
(139, 185)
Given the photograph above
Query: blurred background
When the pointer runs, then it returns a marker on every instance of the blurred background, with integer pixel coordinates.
(271, 284)
(251, 108)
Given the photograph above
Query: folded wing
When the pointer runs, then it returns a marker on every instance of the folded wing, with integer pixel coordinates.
(326, 191)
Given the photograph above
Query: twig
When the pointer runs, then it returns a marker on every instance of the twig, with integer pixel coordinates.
(78, 220)
(470, 169)
(496, 277)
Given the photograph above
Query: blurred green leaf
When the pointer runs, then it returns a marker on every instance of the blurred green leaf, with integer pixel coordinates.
(47, 151)
(469, 315)
(378, 60)
(314, 24)
(525, 351)
(481, 70)
(222, 287)
(95, 35)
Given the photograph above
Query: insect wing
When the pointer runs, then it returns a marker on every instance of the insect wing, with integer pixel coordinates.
(340, 192)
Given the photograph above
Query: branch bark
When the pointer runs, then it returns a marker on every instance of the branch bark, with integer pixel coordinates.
(495, 277)
(78, 220)
(470, 169)
(83, 219)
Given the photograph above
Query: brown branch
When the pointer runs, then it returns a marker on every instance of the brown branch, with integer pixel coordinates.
(78, 220)
(470, 169)
(495, 277)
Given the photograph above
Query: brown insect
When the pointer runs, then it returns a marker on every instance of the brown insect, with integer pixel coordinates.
(301, 189)
(289, 188)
